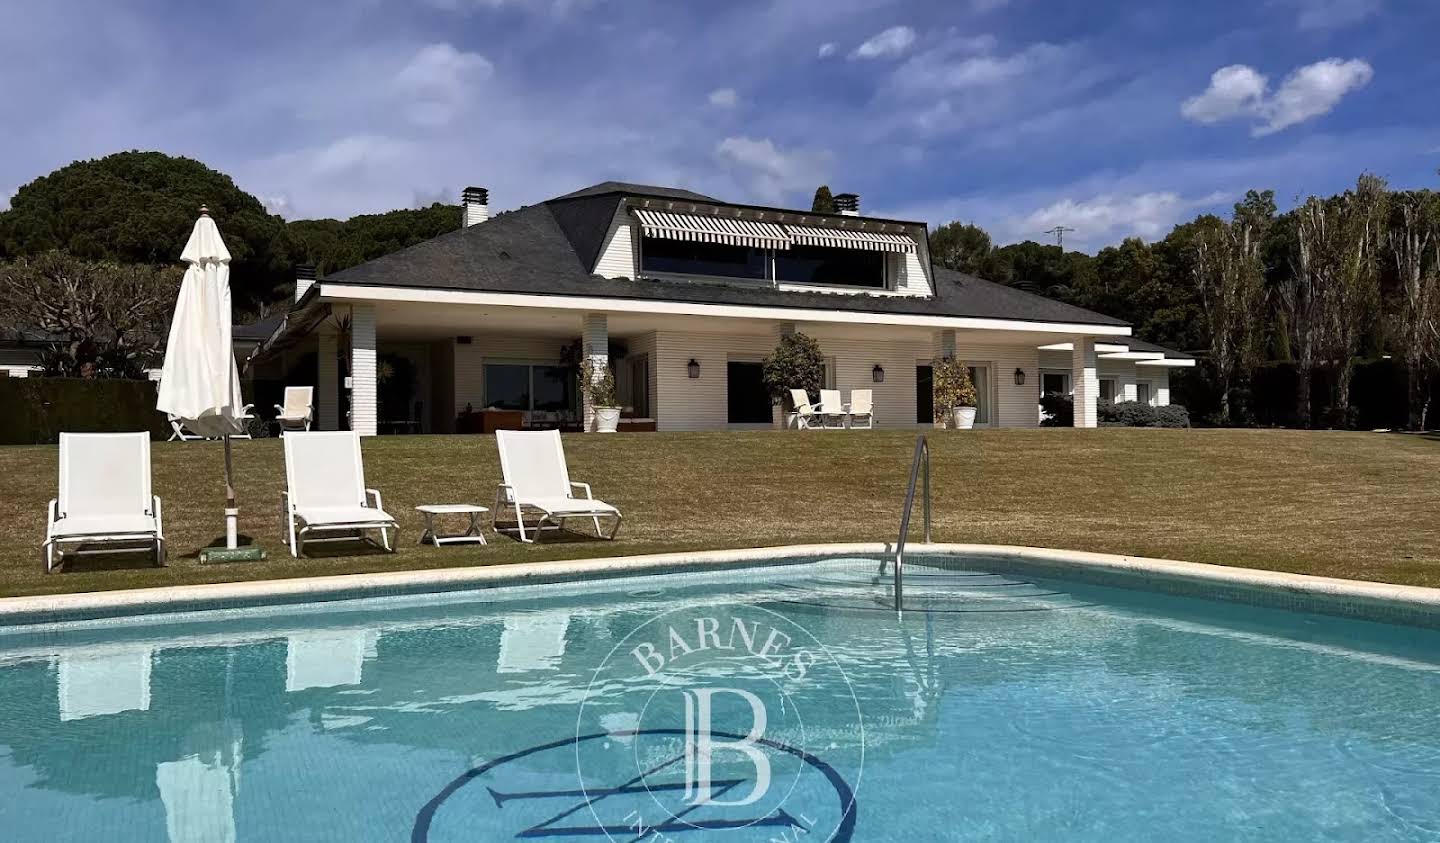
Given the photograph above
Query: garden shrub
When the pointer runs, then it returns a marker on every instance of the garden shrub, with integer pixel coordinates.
(1059, 410)
(1136, 414)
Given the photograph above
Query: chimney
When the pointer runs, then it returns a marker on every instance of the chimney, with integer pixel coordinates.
(848, 204)
(304, 277)
(474, 205)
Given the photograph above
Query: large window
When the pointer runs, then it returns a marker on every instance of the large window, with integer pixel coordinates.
(685, 257)
(823, 265)
(525, 386)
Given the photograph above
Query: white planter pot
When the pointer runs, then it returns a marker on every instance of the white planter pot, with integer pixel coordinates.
(964, 418)
(607, 419)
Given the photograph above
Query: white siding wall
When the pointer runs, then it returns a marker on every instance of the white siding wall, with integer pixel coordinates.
(617, 256)
(680, 403)
(470, 362)
(910, 274)
(1124, 372)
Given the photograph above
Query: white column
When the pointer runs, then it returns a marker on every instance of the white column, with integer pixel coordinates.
(595, 346)
(327, 385)
(363, 410)
(1084, 381)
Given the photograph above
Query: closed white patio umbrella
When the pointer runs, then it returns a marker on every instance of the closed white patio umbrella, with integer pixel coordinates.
(199, 383)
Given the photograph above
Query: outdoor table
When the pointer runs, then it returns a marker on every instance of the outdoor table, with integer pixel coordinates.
(472, 533)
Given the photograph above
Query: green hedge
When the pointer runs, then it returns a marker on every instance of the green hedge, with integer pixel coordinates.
(1135, 414)
(36, 410)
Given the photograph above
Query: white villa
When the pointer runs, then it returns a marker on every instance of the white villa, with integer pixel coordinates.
(685, 294)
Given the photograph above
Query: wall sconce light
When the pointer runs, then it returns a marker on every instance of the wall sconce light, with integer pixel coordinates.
(877, 374)
(693, 367)
(1019, 377)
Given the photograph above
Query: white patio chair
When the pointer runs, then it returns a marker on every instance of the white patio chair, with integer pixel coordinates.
(806, 415)
(104, 497)
(861, 409)
(535, 477)
(298, 410)
(325, 482)
(833, 412)
(180, 431)
(246, 415)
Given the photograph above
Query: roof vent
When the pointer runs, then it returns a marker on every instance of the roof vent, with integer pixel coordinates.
(474, 205)
(847, 204)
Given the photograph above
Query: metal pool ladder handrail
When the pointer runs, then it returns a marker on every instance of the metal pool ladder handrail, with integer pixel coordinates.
(922, 456)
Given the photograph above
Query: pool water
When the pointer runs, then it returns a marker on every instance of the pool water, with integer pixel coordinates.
(996, 708)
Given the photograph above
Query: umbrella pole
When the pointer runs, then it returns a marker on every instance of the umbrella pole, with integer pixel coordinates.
(232, 512)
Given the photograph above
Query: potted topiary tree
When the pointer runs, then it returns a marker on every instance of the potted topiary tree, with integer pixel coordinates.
(954, 394)
(597, 382)
(796, 363)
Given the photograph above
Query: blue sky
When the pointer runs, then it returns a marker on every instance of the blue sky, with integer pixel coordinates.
(1115, 118)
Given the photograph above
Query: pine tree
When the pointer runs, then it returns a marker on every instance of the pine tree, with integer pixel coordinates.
(824, 203)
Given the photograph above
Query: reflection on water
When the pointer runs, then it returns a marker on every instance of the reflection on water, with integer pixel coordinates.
(1088, 714)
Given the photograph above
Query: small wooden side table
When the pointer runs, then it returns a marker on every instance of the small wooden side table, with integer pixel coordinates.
(472, 534)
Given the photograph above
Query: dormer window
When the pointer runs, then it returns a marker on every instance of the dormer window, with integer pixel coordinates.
(688, 257)
(831, 267)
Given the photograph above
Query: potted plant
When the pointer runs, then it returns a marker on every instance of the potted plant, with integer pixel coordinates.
(598, 384)
(954, 392)
(796, 363)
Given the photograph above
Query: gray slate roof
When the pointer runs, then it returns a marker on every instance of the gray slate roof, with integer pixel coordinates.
(623, 188)
(548, 249)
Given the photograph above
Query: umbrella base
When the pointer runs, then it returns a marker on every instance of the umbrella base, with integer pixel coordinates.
(212, 555)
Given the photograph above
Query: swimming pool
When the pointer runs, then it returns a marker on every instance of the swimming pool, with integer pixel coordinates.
(750, 705)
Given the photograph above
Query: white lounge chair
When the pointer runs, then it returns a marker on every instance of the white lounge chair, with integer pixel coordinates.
(833, 412)
(325, 481)
(535, 477)
(806, 415)
(185, 434)
(298, 411)
(861, 409)
(180, 431)
(104, 497)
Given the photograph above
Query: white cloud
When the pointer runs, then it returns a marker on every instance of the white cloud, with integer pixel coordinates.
(438, 80)
(770, 172)
(1308, 92)
(5, 196)
(964, 63)
(888, 44)
(724, 98)
(1333, 14)
(1114, 216)
(826, 50)
(276, 204)
(1312, 91)
(1234, 91)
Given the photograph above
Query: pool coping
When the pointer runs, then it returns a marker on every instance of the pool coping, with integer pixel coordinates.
(1362, 599)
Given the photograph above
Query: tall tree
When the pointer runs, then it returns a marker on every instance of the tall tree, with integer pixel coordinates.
(823, 202)
(1351, 303)
(138, 207)
(1414, 246)
(962, 247)
(1229, 277)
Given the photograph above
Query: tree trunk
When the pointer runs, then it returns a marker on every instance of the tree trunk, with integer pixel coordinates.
(1304, 371)
(1344, 374)
(1417, 394)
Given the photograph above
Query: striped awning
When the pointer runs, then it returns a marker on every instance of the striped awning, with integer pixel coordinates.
(844, 238)
(711, 228)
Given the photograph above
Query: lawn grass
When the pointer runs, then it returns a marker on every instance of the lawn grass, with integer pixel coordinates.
(1356, 505)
